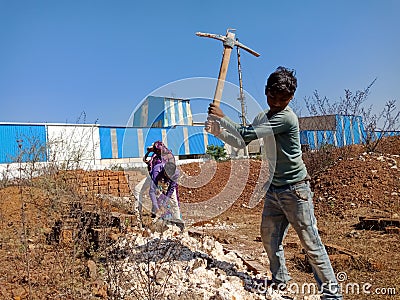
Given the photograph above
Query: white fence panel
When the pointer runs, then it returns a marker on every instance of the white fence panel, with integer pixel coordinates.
(74, 145)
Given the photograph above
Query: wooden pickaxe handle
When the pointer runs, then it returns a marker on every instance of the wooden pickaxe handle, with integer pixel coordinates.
(223, 70)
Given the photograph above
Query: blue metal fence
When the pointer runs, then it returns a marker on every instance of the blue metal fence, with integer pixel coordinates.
(22, 142)
(348, 130)
(131, 142)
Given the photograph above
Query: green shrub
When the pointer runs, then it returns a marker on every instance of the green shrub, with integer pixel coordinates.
(216, 152)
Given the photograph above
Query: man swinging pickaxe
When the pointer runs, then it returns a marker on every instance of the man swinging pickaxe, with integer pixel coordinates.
(229, 42)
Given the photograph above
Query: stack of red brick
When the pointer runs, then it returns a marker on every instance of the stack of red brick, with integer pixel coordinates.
(99, 182)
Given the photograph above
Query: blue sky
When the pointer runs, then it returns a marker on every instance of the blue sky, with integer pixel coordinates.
(61, 58)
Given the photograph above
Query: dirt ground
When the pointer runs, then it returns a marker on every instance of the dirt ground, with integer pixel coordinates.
(355, 184)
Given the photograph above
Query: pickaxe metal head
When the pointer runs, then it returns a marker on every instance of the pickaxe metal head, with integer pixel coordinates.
(229, 42)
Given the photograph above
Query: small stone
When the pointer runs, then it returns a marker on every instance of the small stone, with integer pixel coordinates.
(199, 263)
(162, 275)
(99, 289)
(353, 234)
(91, 269)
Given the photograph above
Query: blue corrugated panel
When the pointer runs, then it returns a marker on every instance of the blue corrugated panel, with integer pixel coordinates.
(136, 116)
(128, 143)
(32, 139)
(356, 130)
(379, 134)
(311, 135)
(182, 149)
(150, 112)
(185, 112)
(350, 130)
(175, 139)
(361, 129)
(321, 140)
(150, 135)
(307, 138)
(340, 133)
(325, 138)
(105, 142)
(196, 140)
(170, 112)
(161, 112)
(361, 134)
(331, 136)
(140, 117)
(177, 116)
(125, 141)
(212, 140)
(303, 137)
(347, 130)
(128, 140)
(394, 133)
(158, 121)
(156, 111)
(167, 114)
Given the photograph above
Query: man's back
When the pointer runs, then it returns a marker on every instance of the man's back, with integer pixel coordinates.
(289, 167)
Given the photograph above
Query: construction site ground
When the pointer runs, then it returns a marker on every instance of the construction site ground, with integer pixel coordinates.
(357, 184)
(354, 184)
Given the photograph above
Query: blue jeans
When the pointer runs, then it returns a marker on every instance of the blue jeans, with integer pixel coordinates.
(292, 204)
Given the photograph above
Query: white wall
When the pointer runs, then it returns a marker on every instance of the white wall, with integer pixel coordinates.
(72, 145)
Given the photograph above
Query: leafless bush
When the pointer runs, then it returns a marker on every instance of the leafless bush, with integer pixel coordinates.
(388, 119)
(351, 104)
(376, 126)
(44, 267)
(318, 161)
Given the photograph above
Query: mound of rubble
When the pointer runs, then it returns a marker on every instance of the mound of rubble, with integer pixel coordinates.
(175, 265)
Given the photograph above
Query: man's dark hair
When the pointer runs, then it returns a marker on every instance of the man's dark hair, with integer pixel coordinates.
(283, 82)
(170, 169)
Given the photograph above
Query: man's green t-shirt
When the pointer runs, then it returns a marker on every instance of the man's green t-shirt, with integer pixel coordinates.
(284, 127)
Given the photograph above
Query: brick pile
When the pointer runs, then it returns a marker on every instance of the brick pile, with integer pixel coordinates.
(115, 183)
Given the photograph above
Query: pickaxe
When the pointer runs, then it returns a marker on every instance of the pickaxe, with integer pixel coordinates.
(229, 42)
